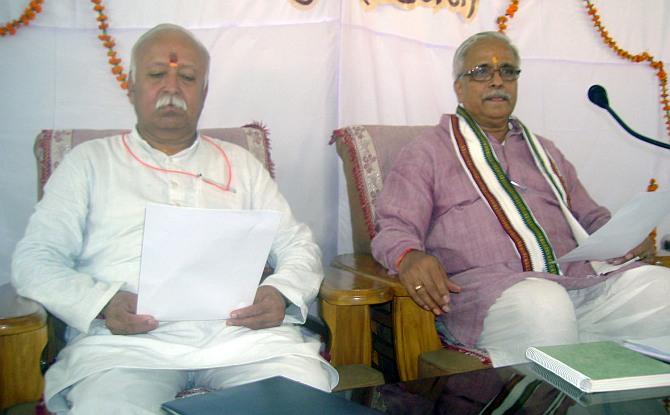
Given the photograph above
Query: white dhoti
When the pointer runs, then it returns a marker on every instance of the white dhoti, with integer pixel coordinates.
(537, 312)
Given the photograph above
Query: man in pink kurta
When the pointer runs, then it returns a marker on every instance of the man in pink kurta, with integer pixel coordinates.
(438, 233)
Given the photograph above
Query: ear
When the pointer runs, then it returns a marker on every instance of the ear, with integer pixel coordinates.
(458, 89)
(131, 90)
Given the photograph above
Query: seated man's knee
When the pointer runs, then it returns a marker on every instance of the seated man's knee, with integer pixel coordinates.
(650, 284)
(124, 391)
(535, 302)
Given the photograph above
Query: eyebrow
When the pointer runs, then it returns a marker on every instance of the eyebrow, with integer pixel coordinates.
(167, 64)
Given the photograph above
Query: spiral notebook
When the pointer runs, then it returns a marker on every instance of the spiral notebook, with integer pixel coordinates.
(601, 366)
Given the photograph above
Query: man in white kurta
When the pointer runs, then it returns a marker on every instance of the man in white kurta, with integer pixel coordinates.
(80, 256)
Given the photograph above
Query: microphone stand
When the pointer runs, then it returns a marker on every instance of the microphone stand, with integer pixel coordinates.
(598, 95)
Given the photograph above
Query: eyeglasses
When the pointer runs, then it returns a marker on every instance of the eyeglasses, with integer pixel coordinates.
(485, 72)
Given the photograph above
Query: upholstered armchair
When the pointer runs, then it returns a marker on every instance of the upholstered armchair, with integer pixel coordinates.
(25, 327)
(395, 334)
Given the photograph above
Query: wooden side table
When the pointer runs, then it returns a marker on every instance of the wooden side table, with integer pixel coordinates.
(23, 336)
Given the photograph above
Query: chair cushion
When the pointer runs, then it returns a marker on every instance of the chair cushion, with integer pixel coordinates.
(52, 145)
(368, 153)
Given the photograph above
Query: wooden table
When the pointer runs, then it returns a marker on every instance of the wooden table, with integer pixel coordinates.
(518, 387)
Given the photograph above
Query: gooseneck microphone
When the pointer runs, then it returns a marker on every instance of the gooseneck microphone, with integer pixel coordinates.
(598, 96)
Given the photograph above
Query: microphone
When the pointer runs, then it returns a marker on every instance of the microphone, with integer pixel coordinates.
(598, 95)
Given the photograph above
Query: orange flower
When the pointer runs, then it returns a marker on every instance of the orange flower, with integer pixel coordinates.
(117, 69)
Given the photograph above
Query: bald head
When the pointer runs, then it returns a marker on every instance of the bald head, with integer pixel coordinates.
(161, 29)
(464, 48)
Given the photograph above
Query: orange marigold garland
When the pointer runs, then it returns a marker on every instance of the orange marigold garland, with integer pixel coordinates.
(509, 14)
(33, 9)
(657, 65)
(108, 43)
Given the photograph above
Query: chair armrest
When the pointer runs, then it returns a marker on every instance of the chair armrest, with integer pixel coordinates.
(345, 300)
(23, 335)
(365, 266)
(342, 287)
(413, 327)
(662, 260)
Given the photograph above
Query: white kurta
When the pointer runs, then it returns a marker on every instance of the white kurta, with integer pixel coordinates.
(83, 244)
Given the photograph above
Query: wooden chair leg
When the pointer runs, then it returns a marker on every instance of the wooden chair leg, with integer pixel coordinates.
(347, 322)
(414, 333)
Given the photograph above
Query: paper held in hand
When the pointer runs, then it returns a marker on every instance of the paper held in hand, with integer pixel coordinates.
(601, 366)
(201, 264)
(627, 228)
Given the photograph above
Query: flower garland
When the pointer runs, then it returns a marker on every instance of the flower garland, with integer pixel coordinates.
(509, 14)
(109, 43)
(657, 65)
(33, 9)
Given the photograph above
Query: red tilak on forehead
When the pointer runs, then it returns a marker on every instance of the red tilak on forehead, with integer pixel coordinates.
(173, 60)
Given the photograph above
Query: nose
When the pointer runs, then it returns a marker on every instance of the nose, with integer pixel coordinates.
(496, 79)
(171, 80)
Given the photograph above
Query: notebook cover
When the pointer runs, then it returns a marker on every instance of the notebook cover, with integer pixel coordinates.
(277, 396)
(599, 362)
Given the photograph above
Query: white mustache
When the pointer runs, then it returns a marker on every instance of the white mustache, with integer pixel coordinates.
(173, 100)
(498, 94)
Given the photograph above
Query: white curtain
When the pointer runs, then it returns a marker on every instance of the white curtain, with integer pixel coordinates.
(305, 71)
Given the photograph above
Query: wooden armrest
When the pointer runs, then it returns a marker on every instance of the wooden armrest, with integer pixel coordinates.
(23, 335)
(366, 267)
(18, 314)
(345, 307)
(341, 287)
(663, 260)
(413, 327)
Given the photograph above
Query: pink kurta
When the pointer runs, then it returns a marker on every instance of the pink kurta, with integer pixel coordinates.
(428, 203)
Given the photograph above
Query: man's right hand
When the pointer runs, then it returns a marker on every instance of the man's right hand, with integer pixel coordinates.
(426, 282)
(121, 318)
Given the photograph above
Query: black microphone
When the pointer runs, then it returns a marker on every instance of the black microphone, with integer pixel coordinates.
(598, 96)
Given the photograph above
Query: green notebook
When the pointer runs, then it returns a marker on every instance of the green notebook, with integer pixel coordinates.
(601, 366)
(599, 398)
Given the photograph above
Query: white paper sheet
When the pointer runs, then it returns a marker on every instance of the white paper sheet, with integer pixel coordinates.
(627, 228)
(658, 347)
(201, 264)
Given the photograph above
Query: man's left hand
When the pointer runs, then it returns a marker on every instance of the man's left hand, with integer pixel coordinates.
(268, 310)
(645, 252)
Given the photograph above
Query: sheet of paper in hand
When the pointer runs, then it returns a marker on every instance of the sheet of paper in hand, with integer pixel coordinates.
(201, 264)
(627, 228)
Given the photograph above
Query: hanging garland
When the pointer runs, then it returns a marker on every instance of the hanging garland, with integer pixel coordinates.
(509, 14)
(33, 9)
(657, 65)
(109, 43)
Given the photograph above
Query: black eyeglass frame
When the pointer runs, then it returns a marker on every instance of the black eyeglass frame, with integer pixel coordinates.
(513, 75)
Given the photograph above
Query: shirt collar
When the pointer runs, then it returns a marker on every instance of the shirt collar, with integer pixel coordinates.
(138, 142)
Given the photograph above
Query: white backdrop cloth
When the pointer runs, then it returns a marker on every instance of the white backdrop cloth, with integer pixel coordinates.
(307, 71)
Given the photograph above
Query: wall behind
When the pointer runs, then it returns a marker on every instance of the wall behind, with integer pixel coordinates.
(306, 71)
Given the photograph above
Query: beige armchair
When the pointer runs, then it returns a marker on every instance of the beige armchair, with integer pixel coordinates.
(395, 334)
